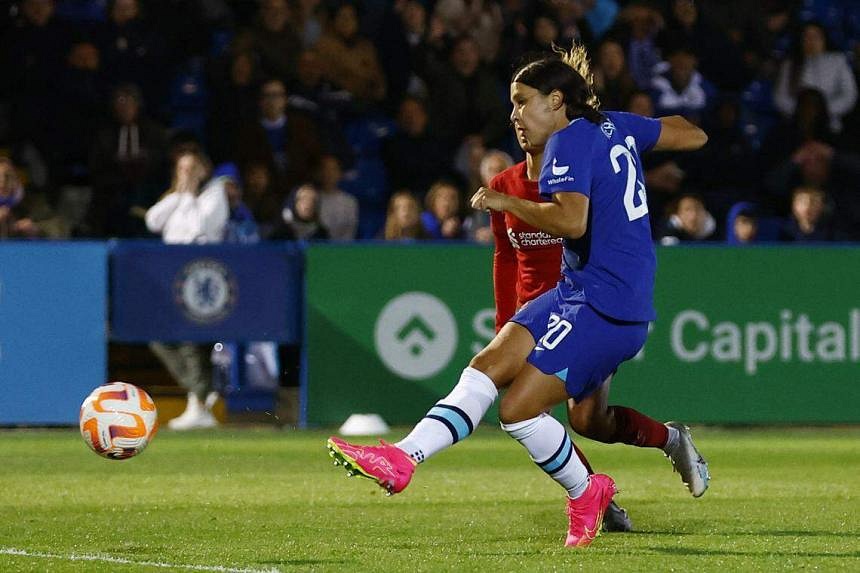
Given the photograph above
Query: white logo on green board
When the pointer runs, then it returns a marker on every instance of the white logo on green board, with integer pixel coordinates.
(415, 335)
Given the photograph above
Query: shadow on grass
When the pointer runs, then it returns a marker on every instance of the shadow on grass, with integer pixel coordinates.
(727, 553)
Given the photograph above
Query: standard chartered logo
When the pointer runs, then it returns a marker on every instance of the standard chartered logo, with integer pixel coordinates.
(792, 337)
(415, 335)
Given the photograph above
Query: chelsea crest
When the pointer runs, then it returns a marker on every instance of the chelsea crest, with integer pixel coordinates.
(206, 290)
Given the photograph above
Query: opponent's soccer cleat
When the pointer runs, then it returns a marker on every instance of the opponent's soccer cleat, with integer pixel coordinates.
(616, 519)
(688, 462)
(387, 465)
(585, 513)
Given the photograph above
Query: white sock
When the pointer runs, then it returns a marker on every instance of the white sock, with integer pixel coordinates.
(672, 440)
(453, 417)
(552, 450)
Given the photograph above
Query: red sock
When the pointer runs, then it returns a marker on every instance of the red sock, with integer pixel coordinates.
(637, 429)
(583, 459)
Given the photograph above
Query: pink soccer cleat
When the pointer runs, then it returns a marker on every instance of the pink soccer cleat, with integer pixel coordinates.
(586, 511)
(387, 465)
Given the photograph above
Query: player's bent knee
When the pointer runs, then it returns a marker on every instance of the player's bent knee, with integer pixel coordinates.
(512, 410)
(496, 365)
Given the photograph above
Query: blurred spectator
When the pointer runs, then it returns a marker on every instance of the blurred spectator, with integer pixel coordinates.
(403, 39)
(813, 64)
(441, 218)
(234, 102)
(600, 15)
(719, 60)
(32, 57)
(724, 170)
(573, 26)
(301, 218)
(679, 88)
(742, 224)
(287, 141)
(480, 19)
(338, 210)
(612, 79)
(191, 212)
(367, 177)
(13, 221)
(327, 105)
(465, 98)
(309, 21)
(641, 103)
(275, 38)
(241, 227)
(348, 59)
(477, 224)
(638, 25)
(415, 157)
(133, 52)
(688, 221)
(263, 197)
(403, 221)
(544, 33)
(809, 122)
(835, 171)
(807, 222)
(467, 161)
(126, 162)
(78, 108)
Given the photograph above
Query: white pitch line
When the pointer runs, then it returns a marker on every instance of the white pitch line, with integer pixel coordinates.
(120, 560)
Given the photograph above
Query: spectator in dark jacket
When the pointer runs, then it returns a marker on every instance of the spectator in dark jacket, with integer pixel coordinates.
(414, 157)
(287, 141)
(465, 98)
(126, 162)
(133, 52)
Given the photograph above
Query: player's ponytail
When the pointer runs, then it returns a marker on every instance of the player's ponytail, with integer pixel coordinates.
(568, 71)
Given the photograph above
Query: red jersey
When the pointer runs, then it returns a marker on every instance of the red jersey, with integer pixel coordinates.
(527, 261)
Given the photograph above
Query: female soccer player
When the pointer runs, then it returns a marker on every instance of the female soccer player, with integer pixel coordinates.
(567, 342)
(526, 263)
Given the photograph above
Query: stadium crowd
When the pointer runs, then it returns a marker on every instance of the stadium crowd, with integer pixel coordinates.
(377, 119)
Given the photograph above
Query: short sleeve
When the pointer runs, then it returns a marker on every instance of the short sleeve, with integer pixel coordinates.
(646, 130)
(567, 163)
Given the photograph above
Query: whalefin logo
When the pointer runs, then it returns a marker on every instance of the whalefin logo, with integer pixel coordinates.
(557, 170)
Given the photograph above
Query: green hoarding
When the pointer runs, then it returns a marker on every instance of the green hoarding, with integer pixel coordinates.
(744, 335)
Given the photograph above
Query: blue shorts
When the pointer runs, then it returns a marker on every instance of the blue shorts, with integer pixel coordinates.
(575, 342)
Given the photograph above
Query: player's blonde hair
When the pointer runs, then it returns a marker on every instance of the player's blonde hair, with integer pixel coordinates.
(578, 59)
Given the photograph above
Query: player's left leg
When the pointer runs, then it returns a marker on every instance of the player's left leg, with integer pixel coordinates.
(450, 420)
(594, 418)
(523, 415)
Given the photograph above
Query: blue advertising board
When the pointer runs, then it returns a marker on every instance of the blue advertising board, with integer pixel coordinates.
(52, 329)
(202, 293)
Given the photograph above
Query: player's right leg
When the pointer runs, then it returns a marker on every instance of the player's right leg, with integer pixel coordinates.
(451, 420)
(523, 415)
(594, 418)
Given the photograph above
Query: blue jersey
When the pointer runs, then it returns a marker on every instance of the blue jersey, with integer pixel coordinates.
(612, 265)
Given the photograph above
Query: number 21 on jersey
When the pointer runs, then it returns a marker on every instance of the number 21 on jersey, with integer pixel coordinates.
(634, 185)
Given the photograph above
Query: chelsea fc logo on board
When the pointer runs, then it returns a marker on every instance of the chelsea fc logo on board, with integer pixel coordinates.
(205, 290)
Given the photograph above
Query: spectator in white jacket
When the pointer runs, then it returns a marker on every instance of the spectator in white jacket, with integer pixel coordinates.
(191, 212)
(812, 65)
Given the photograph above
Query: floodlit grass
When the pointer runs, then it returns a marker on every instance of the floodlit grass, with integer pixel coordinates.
(261, 500)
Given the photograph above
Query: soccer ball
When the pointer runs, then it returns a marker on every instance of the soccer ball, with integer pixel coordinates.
(117, 420)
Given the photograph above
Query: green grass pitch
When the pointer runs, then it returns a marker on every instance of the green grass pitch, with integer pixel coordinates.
(261, 500)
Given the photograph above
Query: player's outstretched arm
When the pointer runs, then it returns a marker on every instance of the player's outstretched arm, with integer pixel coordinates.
(678, 134)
